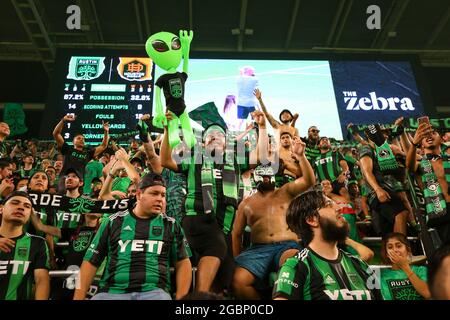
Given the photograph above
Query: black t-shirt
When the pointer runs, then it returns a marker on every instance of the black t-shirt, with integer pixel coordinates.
(79, 241)
(173, 88)
(75, 159)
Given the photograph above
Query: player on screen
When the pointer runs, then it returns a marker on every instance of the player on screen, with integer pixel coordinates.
(166, 50)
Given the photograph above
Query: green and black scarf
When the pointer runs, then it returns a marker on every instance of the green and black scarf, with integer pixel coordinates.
(435, 204)
(385, 156)
(229, 184)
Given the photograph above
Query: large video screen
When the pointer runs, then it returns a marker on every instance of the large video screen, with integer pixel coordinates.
(96, 88)
(326, 94)
(329, 94)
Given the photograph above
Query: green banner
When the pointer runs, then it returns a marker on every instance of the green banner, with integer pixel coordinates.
(14, 116)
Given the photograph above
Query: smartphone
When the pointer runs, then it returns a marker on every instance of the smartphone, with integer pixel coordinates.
(424, 119)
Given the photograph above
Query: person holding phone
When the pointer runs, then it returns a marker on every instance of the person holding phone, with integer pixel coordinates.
(433, 175)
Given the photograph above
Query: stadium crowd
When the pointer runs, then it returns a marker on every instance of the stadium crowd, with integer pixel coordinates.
(244, 215)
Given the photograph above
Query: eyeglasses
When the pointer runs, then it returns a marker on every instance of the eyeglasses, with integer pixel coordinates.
(314, 130)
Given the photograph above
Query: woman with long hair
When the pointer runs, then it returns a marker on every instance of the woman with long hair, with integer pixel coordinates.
(401, 281)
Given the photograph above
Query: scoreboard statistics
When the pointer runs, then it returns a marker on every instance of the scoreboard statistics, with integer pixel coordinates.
(115, 88)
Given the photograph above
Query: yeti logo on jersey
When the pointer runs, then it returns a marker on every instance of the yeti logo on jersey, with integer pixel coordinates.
(353, 102)
(345, 294)
(152, 246)
(16, 265)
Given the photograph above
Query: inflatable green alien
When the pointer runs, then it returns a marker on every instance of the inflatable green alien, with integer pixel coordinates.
(166, 50)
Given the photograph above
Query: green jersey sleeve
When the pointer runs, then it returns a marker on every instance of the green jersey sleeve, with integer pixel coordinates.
(291, 280)
(42, 257)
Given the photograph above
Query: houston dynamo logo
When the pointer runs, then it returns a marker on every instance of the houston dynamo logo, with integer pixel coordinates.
(353, 102)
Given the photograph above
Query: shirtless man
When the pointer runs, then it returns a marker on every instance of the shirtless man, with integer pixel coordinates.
(265, 213)
(434, 169)
(285, 154)
(288, 120)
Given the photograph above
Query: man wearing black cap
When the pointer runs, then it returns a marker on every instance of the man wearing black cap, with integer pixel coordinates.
(73, 182)
(23, 257)
(140, 246)
(287, 120)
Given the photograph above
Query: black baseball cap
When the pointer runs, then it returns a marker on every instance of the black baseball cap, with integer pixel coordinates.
(73, 170)
(285, 110)
(151, 179)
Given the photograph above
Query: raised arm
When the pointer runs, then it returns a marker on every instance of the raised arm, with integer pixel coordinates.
(261, 154)
(166, 151)
(185, 39)
(356, 134)
(274, 123)
(411, 158)
(367, 169)
(149, 148)
(308, 178)
(58, 129)
(112, 169)
(122, 156)
(249, 128)
(99, 149)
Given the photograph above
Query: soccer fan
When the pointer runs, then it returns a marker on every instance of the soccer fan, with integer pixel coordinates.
(212, 197)
(321, 271)
(176, 182)
(265, 213)
(140, 246)
(331, 165)
(78, 155)
(27, 168)
(287, 123)
(381, 171)
(402, 281)
(433, 173)
(26, 256)
(312, 144)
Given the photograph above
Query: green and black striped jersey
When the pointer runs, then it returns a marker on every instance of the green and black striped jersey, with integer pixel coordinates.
(17, 267)
(193, 205)
(327, 166)
(139, 252)
(308, 276)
